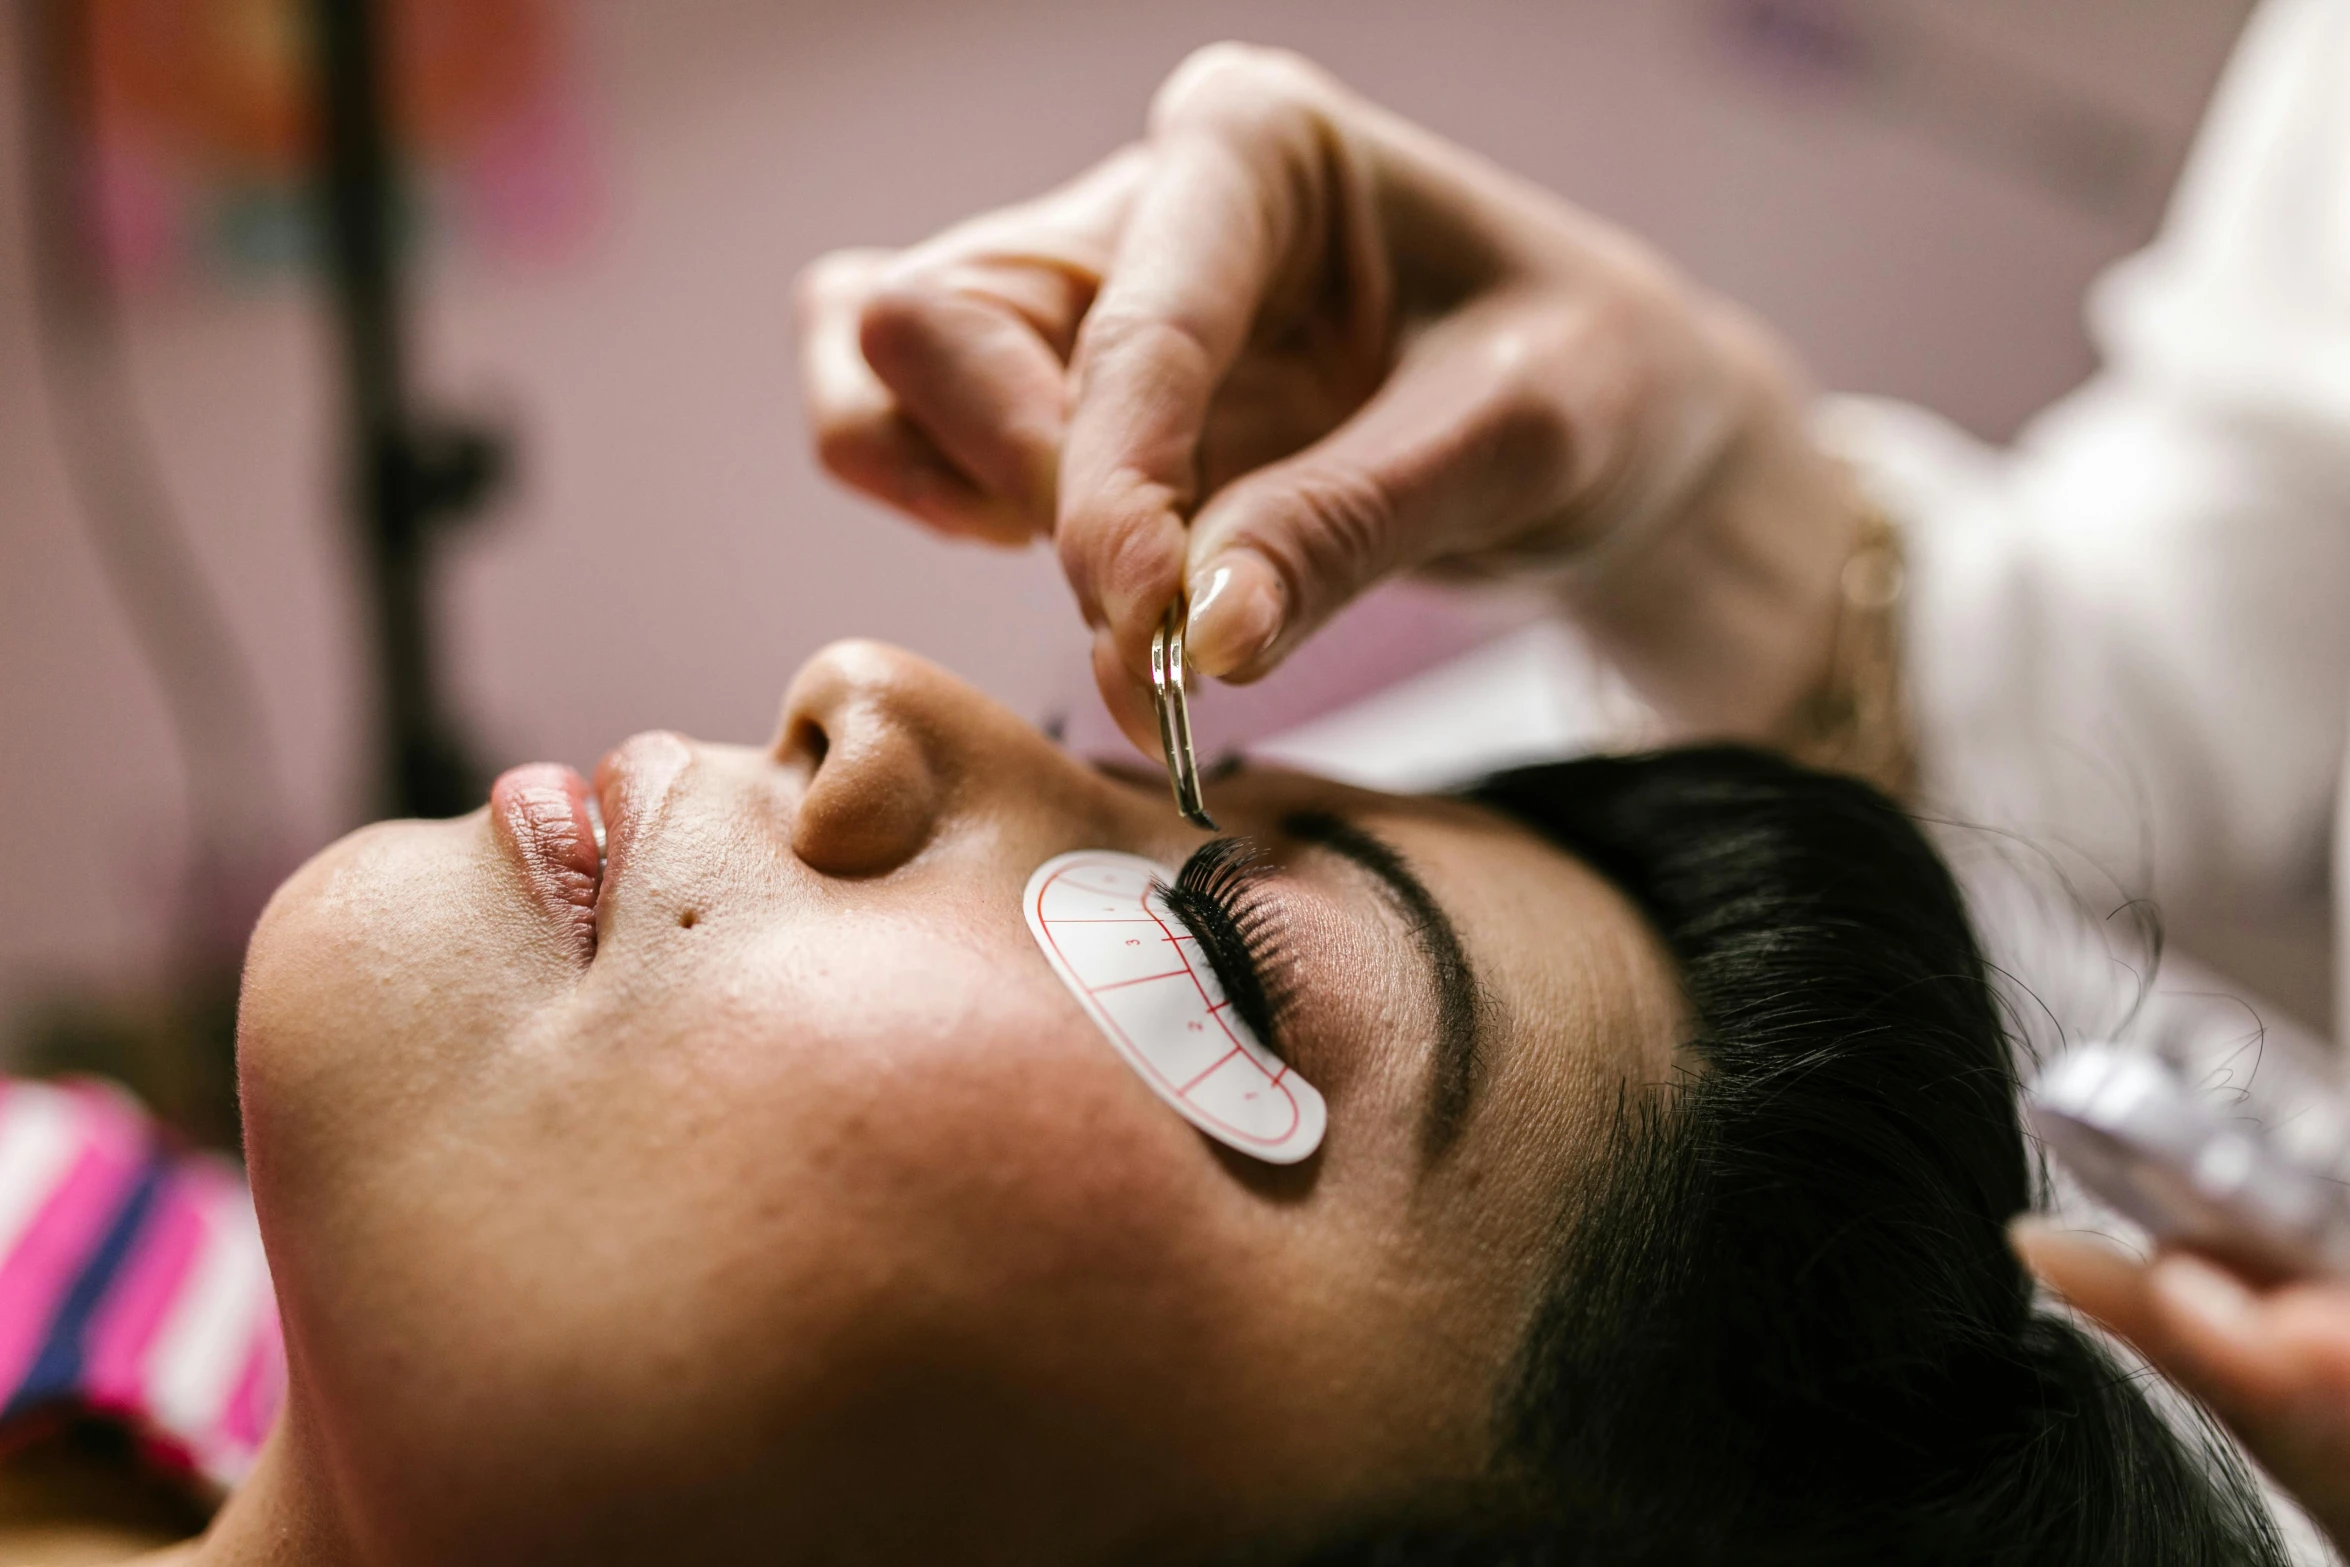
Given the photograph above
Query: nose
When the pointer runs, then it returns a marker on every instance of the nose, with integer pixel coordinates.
(890, 744)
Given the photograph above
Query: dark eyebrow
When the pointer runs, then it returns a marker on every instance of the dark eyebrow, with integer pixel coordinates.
(1458, 1066)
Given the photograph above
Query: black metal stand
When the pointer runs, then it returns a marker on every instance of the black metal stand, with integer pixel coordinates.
(409, 479)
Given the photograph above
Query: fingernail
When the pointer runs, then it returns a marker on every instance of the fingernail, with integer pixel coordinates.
(2027, 1232)
(2210, 1296)
(2056, 1255)
(2025, 1228)
(1236, 608)
(2030, 1232)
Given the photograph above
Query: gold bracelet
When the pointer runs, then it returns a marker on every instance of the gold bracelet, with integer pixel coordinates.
(1856, 720)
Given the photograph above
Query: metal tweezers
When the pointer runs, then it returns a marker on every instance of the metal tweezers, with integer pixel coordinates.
(1167, 694)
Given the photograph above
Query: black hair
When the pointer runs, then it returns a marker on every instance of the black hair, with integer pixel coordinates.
(1785, 1325)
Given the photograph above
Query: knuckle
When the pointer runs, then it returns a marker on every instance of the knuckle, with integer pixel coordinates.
(1586, 360)
(1616, 382)
(1518, 397)
(860, 454)
(1115, 555)
(847, 443)
(831, 280)
(1526, 446)
(1239, 87)
(1177, 350)
(898, 315)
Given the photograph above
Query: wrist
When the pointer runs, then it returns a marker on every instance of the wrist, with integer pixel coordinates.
(1729, 615)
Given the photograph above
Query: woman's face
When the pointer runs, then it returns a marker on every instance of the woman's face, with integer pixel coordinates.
(762, 1186)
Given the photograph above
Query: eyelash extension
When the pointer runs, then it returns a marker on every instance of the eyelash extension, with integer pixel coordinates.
(1220, 899)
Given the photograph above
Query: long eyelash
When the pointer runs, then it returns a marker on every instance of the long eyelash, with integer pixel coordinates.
(1220, 898)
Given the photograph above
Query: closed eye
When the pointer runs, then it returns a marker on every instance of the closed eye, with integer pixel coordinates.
(1220, 897)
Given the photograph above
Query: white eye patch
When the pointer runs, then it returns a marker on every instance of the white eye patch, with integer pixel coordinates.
(1139, 973)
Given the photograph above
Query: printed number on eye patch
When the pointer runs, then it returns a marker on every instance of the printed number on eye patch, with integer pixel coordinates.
(1139, 974)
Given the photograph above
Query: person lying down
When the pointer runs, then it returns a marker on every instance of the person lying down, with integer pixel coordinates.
(751, 1156)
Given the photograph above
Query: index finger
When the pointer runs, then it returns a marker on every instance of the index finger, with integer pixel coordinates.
(1249, 181)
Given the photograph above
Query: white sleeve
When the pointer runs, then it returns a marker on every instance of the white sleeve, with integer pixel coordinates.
(2129, 633)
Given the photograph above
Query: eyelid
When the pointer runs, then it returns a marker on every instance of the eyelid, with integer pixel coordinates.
(1459, 1064)
(1219, 897)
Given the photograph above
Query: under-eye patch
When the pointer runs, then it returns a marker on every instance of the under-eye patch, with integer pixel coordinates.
(1106, 929)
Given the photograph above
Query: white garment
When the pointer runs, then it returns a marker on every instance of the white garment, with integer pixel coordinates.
(2129, 632)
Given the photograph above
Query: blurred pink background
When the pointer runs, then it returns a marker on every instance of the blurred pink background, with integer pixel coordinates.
(1919, 215)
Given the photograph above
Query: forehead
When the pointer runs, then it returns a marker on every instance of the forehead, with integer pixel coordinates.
(1582, 995)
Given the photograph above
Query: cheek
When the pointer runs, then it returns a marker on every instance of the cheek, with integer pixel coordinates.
(956, 1085)
(911, 1142)
(1010, 1209)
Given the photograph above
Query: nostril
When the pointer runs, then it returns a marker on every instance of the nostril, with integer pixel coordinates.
(809, 739)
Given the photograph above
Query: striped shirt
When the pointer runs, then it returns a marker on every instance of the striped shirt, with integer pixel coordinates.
(132, 1283)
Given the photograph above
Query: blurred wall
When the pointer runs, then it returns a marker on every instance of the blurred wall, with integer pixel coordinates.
(672, 553)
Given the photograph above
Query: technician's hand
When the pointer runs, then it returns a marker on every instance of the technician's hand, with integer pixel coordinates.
(1289, 344)
(2272, 1363)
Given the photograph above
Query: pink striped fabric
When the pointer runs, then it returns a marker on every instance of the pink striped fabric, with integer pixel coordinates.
(132, 1283)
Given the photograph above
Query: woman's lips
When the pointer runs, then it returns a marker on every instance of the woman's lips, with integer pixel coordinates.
(632, 787)
(546, 816)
